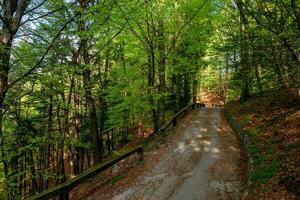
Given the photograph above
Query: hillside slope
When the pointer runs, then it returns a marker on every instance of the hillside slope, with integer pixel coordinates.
(272, 122)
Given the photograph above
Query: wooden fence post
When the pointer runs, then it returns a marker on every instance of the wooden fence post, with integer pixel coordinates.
(140, 155)
(175, 122)
(64, 196)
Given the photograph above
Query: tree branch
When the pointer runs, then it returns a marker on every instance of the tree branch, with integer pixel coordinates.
(175, 38)
(43, 56)
(110, 40)
(34, 8)
(21, 9)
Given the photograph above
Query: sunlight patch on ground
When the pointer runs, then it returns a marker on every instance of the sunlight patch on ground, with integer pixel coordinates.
(197, 149)
(199, 136)
(233, 148)
(181, 148)
(206, 142)
(215, 150)
(203, 130)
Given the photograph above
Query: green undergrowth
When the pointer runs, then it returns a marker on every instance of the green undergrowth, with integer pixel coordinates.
(115, 179)
(265, 165)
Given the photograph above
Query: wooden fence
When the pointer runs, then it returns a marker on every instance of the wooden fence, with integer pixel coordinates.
(62, 191)
(174, 119)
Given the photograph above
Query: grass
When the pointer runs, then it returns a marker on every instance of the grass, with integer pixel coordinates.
(115, 179)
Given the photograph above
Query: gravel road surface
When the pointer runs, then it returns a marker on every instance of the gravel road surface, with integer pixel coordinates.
(204, 163)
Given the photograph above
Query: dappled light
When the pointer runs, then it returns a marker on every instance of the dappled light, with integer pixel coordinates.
(149, 99)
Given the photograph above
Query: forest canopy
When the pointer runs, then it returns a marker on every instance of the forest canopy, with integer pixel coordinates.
(81, 79)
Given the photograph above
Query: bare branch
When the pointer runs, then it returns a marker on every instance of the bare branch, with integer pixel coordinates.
(42, 15)
(34, 8)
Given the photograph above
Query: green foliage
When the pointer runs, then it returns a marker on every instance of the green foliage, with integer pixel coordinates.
(246, 119)
(115, 179)
(264, 171)
(127, 92)
(3, 195)
(264, 165)
(85, 71)
(252, 132)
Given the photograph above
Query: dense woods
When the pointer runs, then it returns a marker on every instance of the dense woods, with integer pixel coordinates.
(81, 79)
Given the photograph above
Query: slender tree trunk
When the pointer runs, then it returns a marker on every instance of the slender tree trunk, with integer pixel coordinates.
(194, 91)
(178, 92)
(61, 151)
(97, 142)
(151, 79)
(4, 68)
(34, 185)
(97, 145)
(102, 97)
(161, 73)
(296, 11)
(258, 79)
(244, 48)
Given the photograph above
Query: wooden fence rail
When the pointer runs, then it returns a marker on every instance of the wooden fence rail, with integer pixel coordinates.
(62, 191)
(173, 120)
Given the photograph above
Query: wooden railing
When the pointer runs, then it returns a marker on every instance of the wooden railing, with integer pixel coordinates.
(62, 191)
(173, 120)
(199, 105)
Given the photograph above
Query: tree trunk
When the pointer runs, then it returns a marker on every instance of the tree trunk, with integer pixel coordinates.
(97, 144)
(178, 92)
(161, 73)
(151, 79)
(4, 68)
(244, 48)
(61, 150)
(296, 11)
(194, 91)
(11, 16)
(258, 79)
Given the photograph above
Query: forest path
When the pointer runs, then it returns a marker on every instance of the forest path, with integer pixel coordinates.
(204, 161)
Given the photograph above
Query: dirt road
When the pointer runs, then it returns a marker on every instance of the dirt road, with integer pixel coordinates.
(205, 162)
